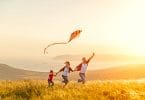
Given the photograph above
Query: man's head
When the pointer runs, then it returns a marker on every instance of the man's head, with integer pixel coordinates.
(84, 60)
(67, 63)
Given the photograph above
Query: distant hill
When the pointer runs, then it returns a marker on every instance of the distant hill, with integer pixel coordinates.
(122, 72)
(70, 57)
(10, 73)
(100, 57)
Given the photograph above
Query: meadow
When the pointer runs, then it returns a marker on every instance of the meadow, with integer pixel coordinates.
(92, 90)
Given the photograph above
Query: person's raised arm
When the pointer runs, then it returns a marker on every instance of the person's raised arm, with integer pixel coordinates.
(91, 57)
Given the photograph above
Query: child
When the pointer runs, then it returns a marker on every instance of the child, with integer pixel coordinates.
(65, 72)
(50, 78)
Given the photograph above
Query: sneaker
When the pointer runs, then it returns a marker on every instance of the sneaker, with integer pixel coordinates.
(79, 80)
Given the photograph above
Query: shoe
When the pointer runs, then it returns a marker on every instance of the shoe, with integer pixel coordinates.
(79, 80)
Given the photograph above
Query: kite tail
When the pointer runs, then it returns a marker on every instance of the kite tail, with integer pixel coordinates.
(45, 49)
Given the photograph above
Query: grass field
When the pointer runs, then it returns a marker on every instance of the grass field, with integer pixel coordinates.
(92, 90)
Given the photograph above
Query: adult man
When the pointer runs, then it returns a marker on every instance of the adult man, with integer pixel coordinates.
(82, 68)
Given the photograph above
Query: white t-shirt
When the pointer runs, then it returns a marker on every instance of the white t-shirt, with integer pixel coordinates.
(65, 72)
(84, 68)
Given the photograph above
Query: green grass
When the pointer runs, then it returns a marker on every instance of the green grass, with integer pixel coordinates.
(92, 90)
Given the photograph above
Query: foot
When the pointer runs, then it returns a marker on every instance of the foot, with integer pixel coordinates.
(79, 80)
(83, 82)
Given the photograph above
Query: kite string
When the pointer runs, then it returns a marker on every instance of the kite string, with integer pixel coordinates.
(57, 43)
(54, 44)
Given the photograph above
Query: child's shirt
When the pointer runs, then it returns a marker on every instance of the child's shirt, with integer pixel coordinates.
(50, 77)
(65, 71)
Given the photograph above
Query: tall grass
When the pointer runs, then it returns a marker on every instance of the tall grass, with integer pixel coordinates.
(92, 90)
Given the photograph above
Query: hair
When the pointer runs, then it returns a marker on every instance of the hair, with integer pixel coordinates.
(84, 58)
(67, 62)
(51, 71)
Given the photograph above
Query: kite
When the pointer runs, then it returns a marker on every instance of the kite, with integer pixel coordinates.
(74, 35)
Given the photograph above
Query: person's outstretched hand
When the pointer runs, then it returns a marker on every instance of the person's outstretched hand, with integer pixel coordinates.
(56, 74)
(93, 54)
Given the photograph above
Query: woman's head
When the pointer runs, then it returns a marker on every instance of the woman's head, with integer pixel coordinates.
(67, 63)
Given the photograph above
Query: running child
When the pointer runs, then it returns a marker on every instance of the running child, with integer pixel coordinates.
(50, 78)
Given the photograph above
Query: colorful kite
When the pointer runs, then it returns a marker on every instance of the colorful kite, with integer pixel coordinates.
(73, 36)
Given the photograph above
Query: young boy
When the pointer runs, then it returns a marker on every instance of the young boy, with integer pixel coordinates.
(50, 78)
(65, 72)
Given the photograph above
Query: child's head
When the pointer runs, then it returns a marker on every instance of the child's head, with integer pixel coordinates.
(67, 63)
(51, 71)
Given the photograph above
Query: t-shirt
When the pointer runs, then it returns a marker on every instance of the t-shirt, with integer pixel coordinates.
(50, 77)
(84, 68)
(79, 67)
(65, 71)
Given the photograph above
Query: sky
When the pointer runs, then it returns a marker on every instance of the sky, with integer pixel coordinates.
(109, 27)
